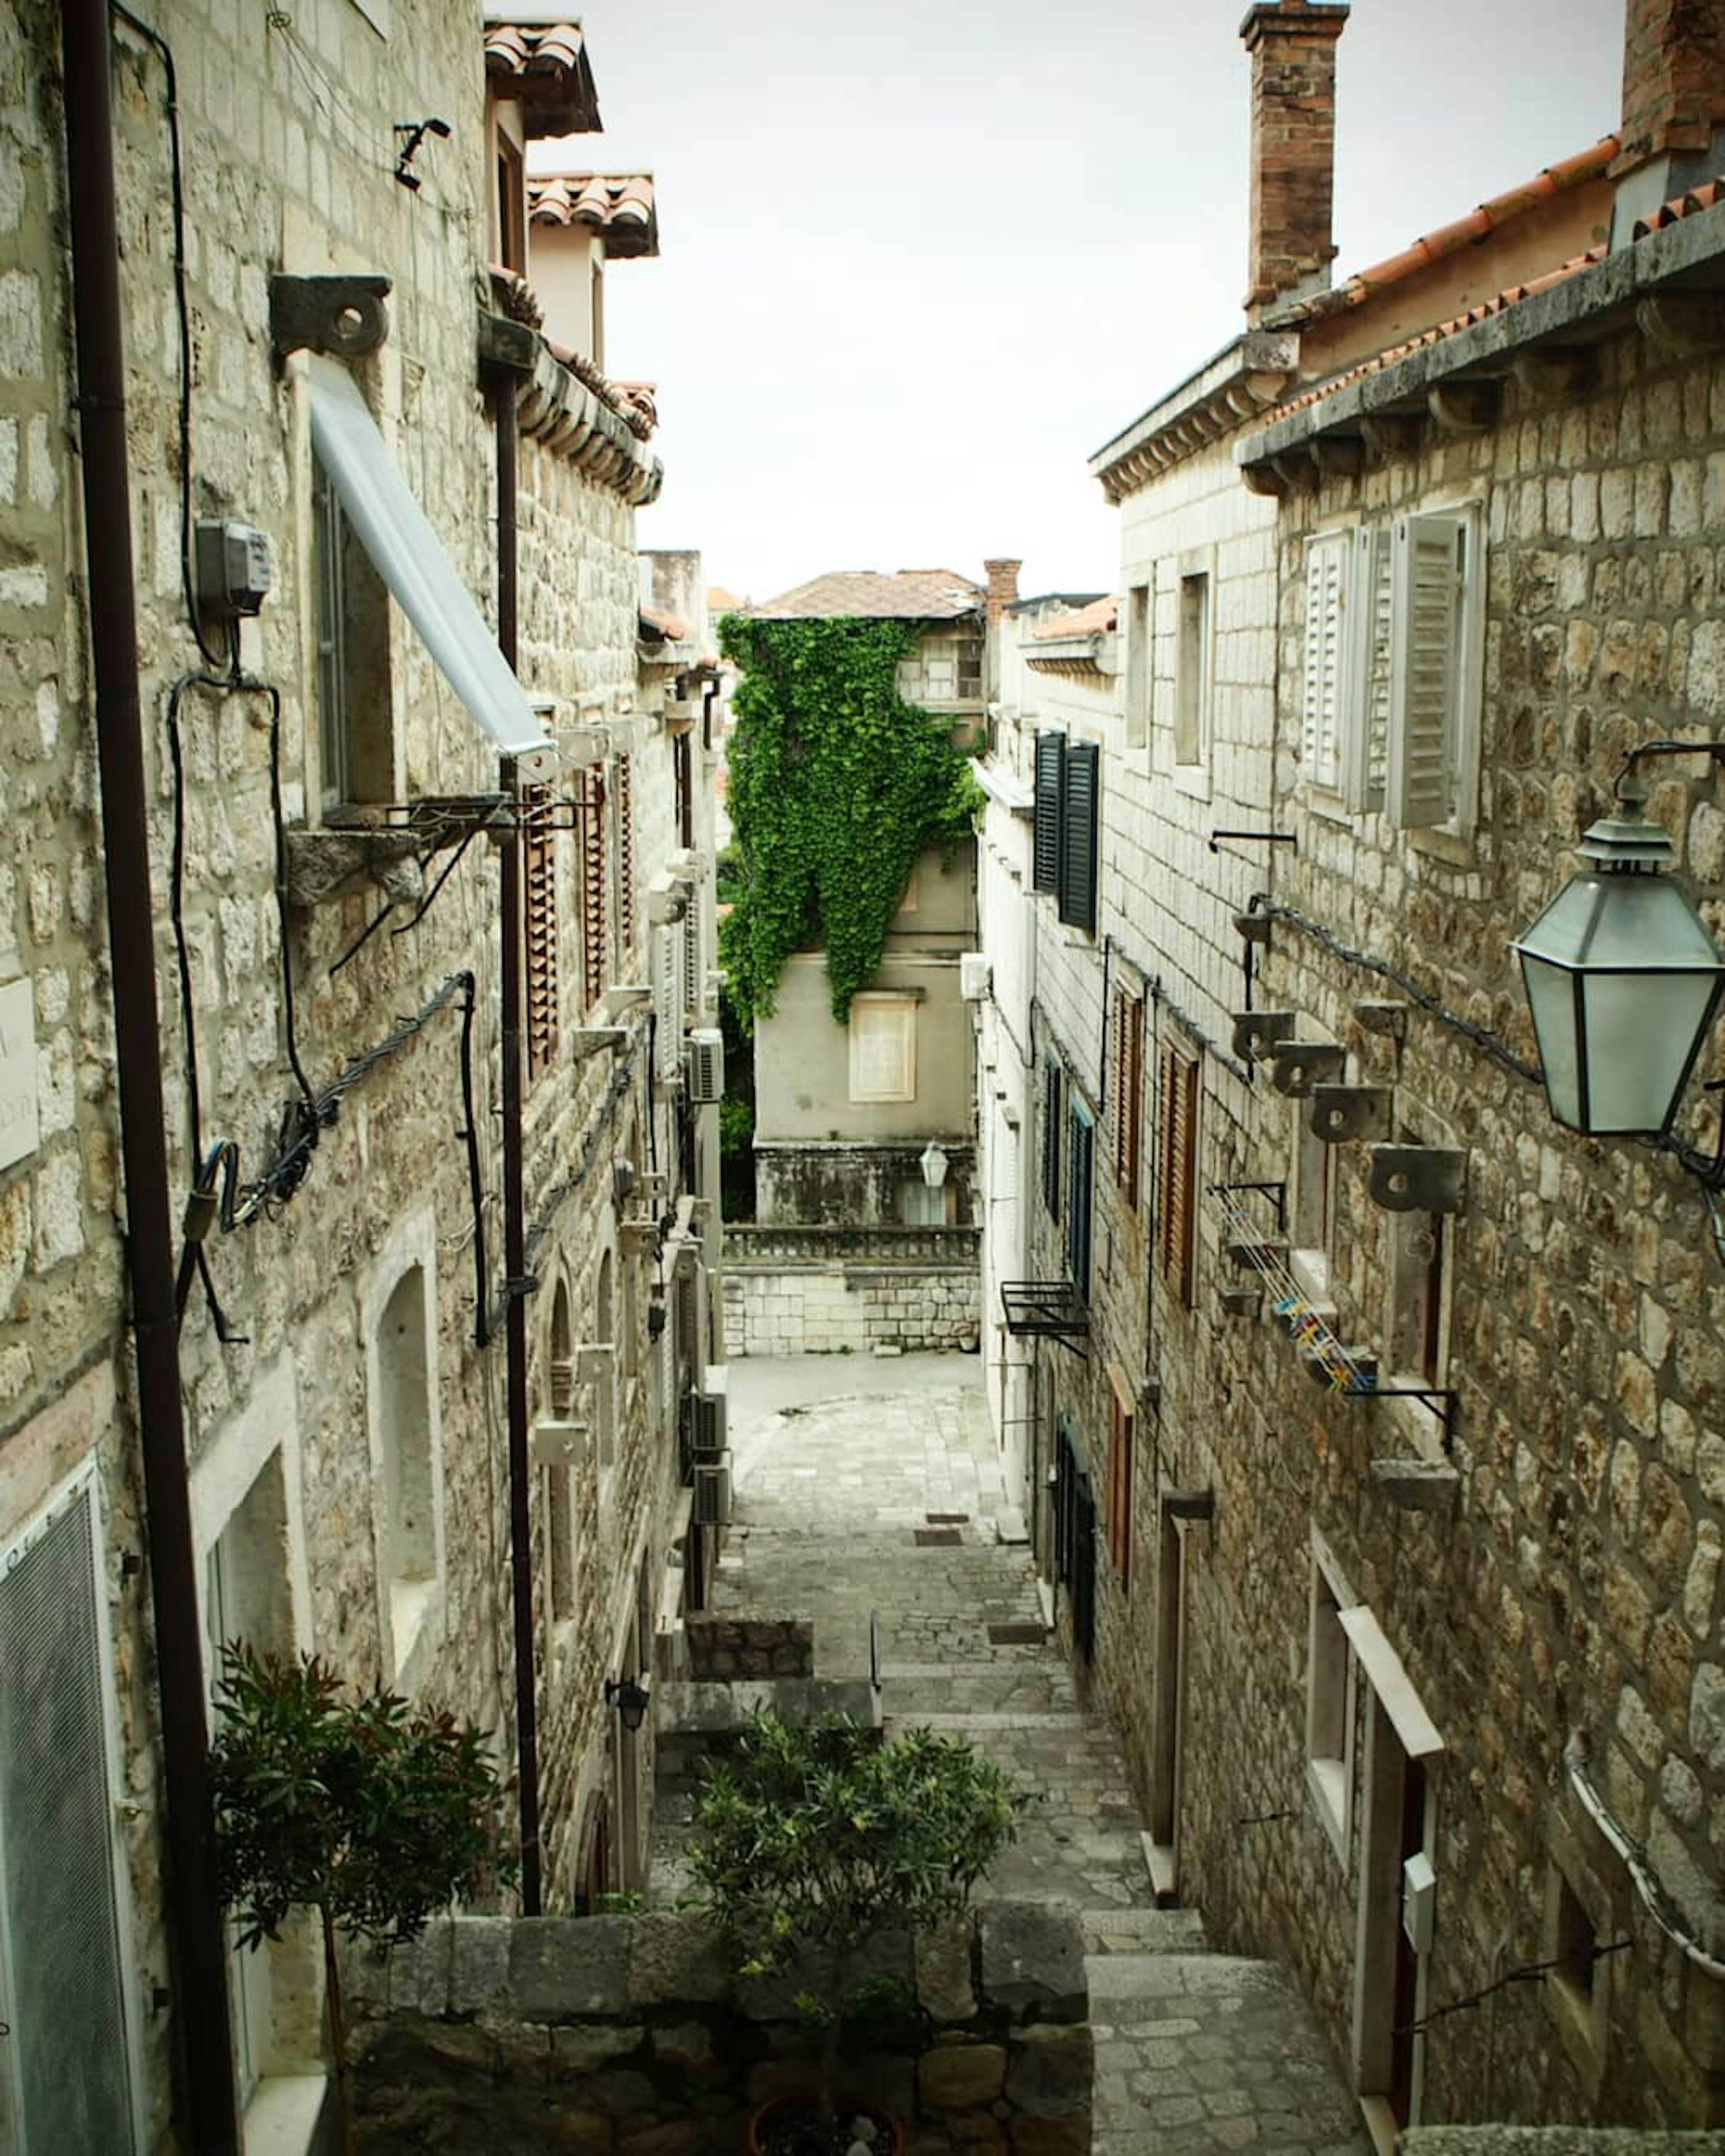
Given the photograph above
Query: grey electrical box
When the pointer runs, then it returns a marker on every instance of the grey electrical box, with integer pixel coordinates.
(233, 565)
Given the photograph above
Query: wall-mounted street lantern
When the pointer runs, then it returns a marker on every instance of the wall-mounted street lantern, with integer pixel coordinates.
(1623, 979)
(630, 1699)
(933, 1164)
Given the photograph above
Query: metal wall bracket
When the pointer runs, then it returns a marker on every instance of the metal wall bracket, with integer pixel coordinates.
(344, 317)
(1341, 1113)
(1254, 927)
(1295, 1066)
(1256, 1032)
(1418, 1178)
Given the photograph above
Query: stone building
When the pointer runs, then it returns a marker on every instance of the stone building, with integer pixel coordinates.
(359, 1313)
(1383, 1413)
(853, 1246)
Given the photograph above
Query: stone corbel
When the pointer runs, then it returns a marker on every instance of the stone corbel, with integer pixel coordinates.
(1551, 374)
(1338, 456)
(1687, 324)
(1418, 1486)
(1418, 1178)
(332, 863)
(1389, 434)
(1266, 480)
(1343, 1112)
(1256, 1032)
(344, 317)
(1295, 1066)
(1463, 408)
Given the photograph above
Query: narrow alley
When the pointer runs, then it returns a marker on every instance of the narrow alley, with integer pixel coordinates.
(872, 1489)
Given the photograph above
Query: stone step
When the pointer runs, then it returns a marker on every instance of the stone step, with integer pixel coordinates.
(1117, 1933)
(1134, 1989)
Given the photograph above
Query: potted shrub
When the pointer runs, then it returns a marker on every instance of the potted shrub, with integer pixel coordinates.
(375, 1817)
(815, 1838)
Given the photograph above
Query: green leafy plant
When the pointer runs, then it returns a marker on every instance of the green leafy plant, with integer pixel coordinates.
(374, 1816)
(837, 784)
(817, 1836)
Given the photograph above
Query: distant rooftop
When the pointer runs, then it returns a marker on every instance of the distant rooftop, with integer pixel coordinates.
(537, 56)
(871, 595)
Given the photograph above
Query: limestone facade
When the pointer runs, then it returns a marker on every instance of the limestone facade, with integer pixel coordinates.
(348, 1440)
(1420, 1691)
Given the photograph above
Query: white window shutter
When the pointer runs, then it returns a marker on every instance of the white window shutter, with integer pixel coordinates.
(1366, 724)
(1327, 563)
(1425, 670)
(668, 998)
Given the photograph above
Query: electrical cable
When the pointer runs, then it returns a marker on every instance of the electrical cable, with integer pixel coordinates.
(164, 52)
(1531, 1972)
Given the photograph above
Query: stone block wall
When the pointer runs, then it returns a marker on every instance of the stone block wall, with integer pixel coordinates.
(625, 2036)
(727, 1648)
(848, 1310)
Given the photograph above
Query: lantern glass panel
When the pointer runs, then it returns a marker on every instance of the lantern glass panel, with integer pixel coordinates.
(1551, 997)
(1640, 1032)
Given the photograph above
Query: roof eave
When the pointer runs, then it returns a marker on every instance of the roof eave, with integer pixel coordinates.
(1217, 400)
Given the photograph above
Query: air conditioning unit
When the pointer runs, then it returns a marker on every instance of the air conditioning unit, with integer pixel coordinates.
(976, 974)
(558, 1444)
(712, 1493)
(706, 1066)
(707, 1440)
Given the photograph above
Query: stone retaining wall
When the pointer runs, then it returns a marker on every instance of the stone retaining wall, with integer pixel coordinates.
(623, 2036)
(727, 1647)
(837, 1308)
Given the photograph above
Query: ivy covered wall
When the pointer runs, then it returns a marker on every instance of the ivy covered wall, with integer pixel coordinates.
(837, 784)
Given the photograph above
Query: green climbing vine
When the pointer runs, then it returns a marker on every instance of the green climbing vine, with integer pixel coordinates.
(837, 784)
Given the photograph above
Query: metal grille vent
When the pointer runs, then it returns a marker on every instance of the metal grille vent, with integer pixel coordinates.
(64, 1997)
(936, 1538)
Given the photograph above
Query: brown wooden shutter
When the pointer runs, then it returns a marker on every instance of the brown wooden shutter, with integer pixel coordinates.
(539, 928)
(683, 768)
(625, 806)
(595, 953)
(1128, 1096)
(1178, 1157)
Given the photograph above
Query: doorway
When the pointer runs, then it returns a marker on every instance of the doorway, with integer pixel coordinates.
(1168, 1704)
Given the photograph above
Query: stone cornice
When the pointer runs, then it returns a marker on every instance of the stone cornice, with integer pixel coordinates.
(1229, 389)
(556, 409)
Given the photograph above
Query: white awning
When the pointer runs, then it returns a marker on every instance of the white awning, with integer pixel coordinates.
(409, 556)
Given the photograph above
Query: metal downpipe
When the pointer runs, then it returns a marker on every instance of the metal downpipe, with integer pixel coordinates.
(198, 1941)
(515, 1209)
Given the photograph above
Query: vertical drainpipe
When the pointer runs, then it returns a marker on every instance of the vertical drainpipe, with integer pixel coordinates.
(515, 1220)
(199, 1944)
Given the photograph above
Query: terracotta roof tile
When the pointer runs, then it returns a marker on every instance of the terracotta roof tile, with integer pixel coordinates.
(544, 65)
(1479, 224)
(619, 205)
(670, 626)
(1707, 196)
(720, 601)
(868, 595)
(1095, 619)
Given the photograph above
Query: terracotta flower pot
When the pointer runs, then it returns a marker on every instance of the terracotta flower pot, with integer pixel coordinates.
(891, 2143)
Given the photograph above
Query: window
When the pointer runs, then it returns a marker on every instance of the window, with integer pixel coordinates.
(1051, 1088)
(1082, 1143)
(1416, 1328)
(1192, 669)
(883, 1047)
(64, 1952)
(511, 207)
(920, 1206)
(1176, 1171)
(1065, 851)
(1138, 674)
(1127, 1095)
(1393, 644)
(352, 627)
(560, 1479)
(408, 1530)
(1578, 1996)
(1312, 1198)
(1122, 1432)
(595, 925)
(539, 930)
(970, 669)
(623, 809)
(598, 1363)
(1329, 1700)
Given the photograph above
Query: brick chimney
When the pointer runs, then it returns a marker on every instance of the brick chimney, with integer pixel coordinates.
(1673, 103)
(1293, 50)
(1002, 586)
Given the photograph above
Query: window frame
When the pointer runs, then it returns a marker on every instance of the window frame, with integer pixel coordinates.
(1065, 857)
(1371, 768)
(540, 981)
(1122, 1439)
(1140, 671)
(1053, 1084)
(1191, 730)
(1176, 1170)
(1126, 1096)
(878, 1004)
(1331, 1741)
(1081, 1170)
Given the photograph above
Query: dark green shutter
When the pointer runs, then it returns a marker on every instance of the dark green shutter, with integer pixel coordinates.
(1078, 1175)
(1045, 860)
(1078, 833)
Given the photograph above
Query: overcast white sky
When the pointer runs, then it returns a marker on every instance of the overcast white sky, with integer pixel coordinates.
(921, 258)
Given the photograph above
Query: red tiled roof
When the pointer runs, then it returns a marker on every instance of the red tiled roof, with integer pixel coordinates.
(1470, 231)
(868, 595)
(720, 601)
(670, 626)
(543, 66)
(1694, 200)
(1093, 619)
(619, 205)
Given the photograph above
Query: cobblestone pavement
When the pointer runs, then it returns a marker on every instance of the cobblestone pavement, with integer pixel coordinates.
(839, 1469)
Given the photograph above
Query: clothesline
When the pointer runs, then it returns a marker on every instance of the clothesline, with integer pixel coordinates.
(1305, 1328)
